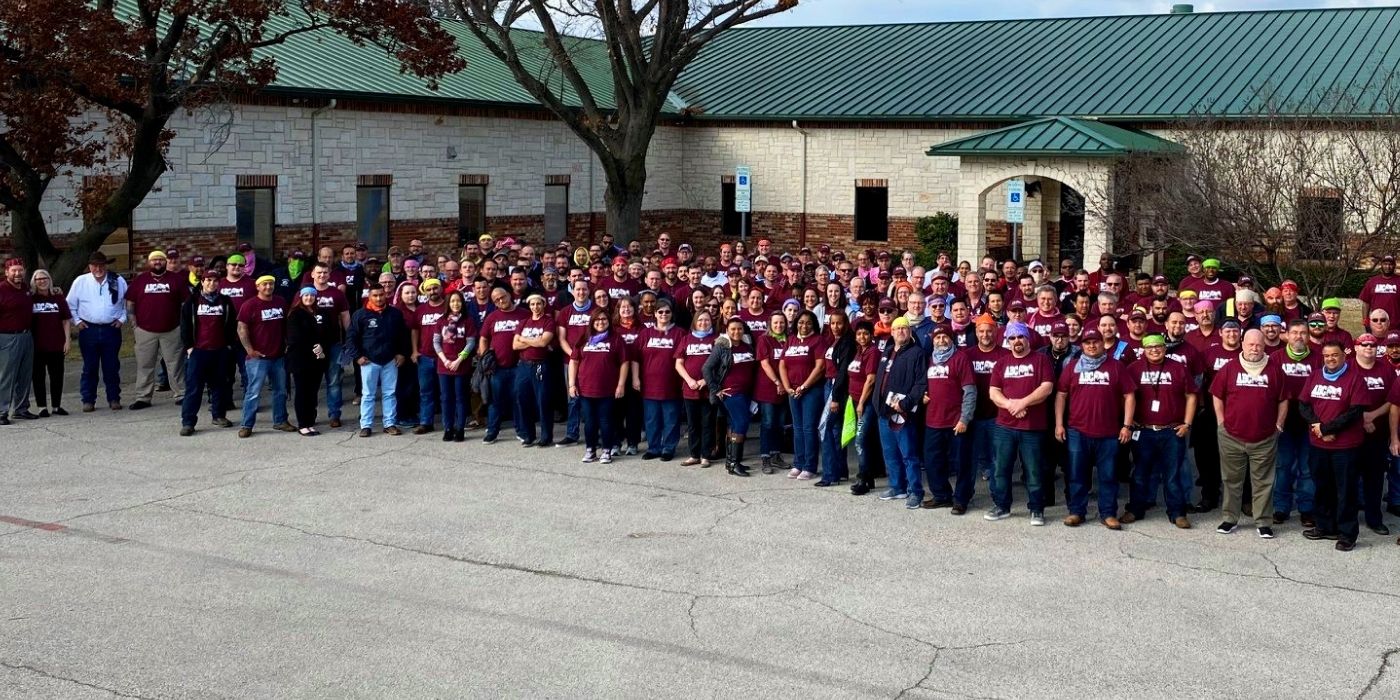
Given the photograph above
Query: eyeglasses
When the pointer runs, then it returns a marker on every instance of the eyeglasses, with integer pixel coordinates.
(1366, 345)
(663, 311)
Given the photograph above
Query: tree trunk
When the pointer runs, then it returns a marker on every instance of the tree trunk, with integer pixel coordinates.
(31, 235)
(627, 184)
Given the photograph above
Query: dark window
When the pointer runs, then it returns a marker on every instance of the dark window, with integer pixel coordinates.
(257, 219)
(556, 213)
(872, 213)
(471, 212)
(1319, 227)
(372, 216)
(732, 221)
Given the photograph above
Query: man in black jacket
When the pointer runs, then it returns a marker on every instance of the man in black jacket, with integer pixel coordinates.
(379, 342)
(899, 392)
(208, 329)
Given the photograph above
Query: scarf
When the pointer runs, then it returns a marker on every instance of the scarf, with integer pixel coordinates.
(598, 338)
(250, 263)
(627, 322)
(1090, 364)
(780, 338)
(1334, 376)
(1254, 368)
(1297, 357)
(703, 334)
(375, 306)
(211, 298)
(941, 356)
(585, 307)
(294, 268)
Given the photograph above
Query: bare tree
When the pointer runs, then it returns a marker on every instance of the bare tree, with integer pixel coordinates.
(1308, 191)
(641, 49)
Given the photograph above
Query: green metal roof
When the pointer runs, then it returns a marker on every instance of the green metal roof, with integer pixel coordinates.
(1125, 67)
(1056, 136)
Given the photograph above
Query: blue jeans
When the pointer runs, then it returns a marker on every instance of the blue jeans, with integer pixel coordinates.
(597, 422)
(575, 418)
(1158, 452)
(980, 435)
(737, 409)
(502, 403)
(453, 388)
(1293, 480)
(427, 390)
(1092, 458)
(98, 346)
(332, 378)
(532, 397)
(385, 378)
(663, 421)
(865, 422)
(901, 457)
(1009, 443)
(834, 463)
(204, 368)
(947, 456)
(772, 417)
(274, 373)
(806, 412)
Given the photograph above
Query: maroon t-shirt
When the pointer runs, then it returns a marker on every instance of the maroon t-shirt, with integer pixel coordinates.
(1381, 292)
(1043, 324)
(801, 355)
(617, 290)
(237, 292)
(656, 358)
(599, 365)
(1018, 378)
(1161, 392)
(692, 352)
(945, 387)
(1296, 373)
(1188, 355)
(267, 324)
(157, 300)
(1094, 403)
(575, 323)
(16, 309)
(209, 330)
(531, 328)
(861, 369)
(1203, 343)
(1378, 380)
(1251, 403)
(630, 335)
(1330, 399)
(983, 364)
(454, 336)
(333, 301)
(740, 379)
(498, 332)
(427, 320)
(765, 389)
(49, 314)
(757, 323)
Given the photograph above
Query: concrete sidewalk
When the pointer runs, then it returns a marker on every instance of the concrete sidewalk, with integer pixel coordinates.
(139, 564)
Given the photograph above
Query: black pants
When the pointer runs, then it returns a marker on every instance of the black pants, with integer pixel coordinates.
(406, 393)
(1334, 472)
(700, 427)
(48, 365)
(627, 418)
(1375, 458)
(1206, 440)
(307, 386)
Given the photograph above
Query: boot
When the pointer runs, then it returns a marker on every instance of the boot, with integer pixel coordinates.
(767, 464)
(729, 456)
(737, 445)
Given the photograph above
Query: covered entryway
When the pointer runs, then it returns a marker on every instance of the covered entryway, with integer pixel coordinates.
(1061, 159)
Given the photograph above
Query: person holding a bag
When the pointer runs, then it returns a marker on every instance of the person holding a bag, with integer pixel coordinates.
(860, 372)
(951, 400)
(729, 374)
(454, 344)
(840, 350)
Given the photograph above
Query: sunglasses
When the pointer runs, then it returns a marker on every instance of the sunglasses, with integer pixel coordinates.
(1379, 320)
(1316, 324)
(1366, 345)
(886, 311)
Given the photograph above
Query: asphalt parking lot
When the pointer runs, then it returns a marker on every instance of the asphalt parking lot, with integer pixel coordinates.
(139, 564)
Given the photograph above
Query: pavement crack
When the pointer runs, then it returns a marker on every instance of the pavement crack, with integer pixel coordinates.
(1329, 586)
(1278, 574)
(927, 675)
(66, 679)
(1380, 673)
(725, 516)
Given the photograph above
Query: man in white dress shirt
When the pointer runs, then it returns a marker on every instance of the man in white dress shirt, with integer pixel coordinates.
(98, 302)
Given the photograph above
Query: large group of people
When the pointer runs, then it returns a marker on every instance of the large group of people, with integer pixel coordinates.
(1141, 390)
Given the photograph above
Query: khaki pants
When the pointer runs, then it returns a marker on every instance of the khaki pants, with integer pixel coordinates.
(1256, 459)
(151, 348)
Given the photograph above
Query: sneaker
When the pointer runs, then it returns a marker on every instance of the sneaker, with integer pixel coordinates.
(1379, 529)
(393, 430)
(527, 443)
(794, 473)
(566, 442)
(606, 458)
(59, 411)
(1228, 527)
(1313, 533)
(914, 502)
(589, 457)
(996, 513)
(893, 495)
(186, 430)
(488, 439)
(631, 451)
(1037, 518)
(806, 476)
(223, 422)
(1266, 532)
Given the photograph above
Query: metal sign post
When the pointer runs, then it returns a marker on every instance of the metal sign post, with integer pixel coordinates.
(1015, 211)
(743, 199)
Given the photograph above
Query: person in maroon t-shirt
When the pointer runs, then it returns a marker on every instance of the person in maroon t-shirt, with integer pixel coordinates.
(262, 328)
(498, 337)
(1373, 456)
(16, 342)
(51, 331)
(1251, 399)
(691, 352)
(620, 284)
(533, 339)
(454, 344)
(154, 298)
(860, 375)
(598, 376)
(984, 356)
(208, 330)
(628, 323)
(1046, 313)
(729, 374)
(1333, 403)
(1298, 359)
(1165, 398)
(768, 392)
(1382, 291)
(1091, 401)
(755, 314)
(653, 360)
(802, 369)
(1021, 382)
(951, 401)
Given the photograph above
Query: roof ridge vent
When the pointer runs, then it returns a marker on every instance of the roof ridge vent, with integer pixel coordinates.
(1182, 9)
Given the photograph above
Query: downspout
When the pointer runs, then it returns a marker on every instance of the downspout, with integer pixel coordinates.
(316, 177)
(802, 223)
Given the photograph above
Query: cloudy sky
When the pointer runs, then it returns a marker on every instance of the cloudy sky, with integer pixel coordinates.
(810, 12)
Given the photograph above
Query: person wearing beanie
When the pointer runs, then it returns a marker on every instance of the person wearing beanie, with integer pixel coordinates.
(984, 354)
(1021, 383)
(1250, 397)
(262, 330)
(1165, 398)
(238, 287)
(900, 384)
(425, 322)
(1332, 330)
(208, 331)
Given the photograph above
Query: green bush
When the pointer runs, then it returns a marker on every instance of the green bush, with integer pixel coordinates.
(935, 233)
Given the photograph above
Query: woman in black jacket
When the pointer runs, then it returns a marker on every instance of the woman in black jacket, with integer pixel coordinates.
(310, 332)
(840, 350)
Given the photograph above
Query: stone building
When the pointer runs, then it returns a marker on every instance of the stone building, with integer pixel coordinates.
(851, 133)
